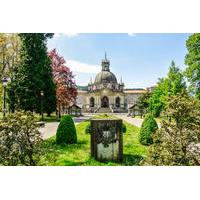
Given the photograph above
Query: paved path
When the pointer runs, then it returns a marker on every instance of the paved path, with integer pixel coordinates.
(51, 127)
(135, 121)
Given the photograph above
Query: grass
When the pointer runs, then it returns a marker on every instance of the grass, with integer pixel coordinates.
(79, 154)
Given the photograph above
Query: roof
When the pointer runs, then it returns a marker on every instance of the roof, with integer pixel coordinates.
(107, 76)
(83, 88)
(82, 92)
(134, 91)
(75, 106)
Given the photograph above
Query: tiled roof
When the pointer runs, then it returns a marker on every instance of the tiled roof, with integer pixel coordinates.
(134, 91)
(82, 92)
(83, 88)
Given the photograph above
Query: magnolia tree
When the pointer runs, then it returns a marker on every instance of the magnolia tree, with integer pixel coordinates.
(66, 89)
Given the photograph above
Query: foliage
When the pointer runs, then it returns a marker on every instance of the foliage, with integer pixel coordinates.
(79, 154)
(9, 53)
(143, 100)
(172, 142)
(88, 129)
(33, 75)
(149, 127)
(9, 57)
(157, 100)
(172, 85)
(1, 97)
(124, 129)
(66, 132)
(192, 61)
(20, 140)
(66, 89)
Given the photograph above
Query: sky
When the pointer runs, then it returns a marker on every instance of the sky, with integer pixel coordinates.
(140, 59)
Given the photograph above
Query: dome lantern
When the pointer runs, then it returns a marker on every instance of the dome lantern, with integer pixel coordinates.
(105, 64)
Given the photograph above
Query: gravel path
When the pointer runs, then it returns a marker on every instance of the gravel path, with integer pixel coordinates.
(50, 128)
(135, 121)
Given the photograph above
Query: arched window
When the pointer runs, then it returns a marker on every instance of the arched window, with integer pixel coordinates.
(92, 102)
(117, 102)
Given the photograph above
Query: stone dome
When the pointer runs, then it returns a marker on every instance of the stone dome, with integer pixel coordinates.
(105, 76)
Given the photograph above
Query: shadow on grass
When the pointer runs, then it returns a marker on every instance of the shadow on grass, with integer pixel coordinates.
(51, 147)
(131, 160)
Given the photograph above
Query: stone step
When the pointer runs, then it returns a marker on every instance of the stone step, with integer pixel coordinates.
(104, 110)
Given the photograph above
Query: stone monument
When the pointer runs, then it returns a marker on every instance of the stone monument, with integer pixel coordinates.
(107, 139)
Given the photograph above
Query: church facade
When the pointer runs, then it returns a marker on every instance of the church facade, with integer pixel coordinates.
(106, 94)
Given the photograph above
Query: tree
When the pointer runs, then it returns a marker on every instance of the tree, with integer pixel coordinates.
(143, 100)
(66, 89)
(33, 75)
(192, 60)
(157, 100)
(172, 143)
(148, 128)
(9, 56)
(172, 85)
(20, 140)
(66, 132)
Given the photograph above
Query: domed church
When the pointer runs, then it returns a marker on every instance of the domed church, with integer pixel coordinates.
(106, 94)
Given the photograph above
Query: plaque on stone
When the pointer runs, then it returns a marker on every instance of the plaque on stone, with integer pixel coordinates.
(107, 140)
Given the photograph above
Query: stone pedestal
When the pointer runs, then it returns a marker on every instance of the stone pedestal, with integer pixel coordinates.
(107, 140)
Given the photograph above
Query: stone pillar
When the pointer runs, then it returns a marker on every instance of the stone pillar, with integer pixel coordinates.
(107, 139)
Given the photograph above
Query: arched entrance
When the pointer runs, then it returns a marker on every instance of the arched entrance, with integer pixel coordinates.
(92, 102)
(105, 102)
(117, 102)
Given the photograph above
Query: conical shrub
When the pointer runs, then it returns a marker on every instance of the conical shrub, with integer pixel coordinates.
(148, 128)
(66, 132)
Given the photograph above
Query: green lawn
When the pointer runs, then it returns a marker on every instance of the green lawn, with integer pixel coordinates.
(79, 154)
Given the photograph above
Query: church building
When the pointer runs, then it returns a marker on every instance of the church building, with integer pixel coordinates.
(106, 94)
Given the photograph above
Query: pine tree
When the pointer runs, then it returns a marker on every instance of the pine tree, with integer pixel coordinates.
(148, 128)
(33, 75)
(167, 87)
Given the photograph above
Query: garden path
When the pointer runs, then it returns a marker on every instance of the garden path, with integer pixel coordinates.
(50, 128)
(135, 121)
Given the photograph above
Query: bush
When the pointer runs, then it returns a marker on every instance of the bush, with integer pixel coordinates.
(20, 140)
(124, 129)
(149, 127)
(178, 140)
(88, 129)
(66, 132)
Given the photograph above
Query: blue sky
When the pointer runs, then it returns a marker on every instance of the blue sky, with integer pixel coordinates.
(140, 59)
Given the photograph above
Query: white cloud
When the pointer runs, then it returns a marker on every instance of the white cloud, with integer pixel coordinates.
(70, 35)
(132, 34)
(81, 67)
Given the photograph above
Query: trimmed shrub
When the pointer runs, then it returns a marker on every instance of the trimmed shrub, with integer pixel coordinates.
(124, 129)
(66, 132)
(88, 129)
(148, 128)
